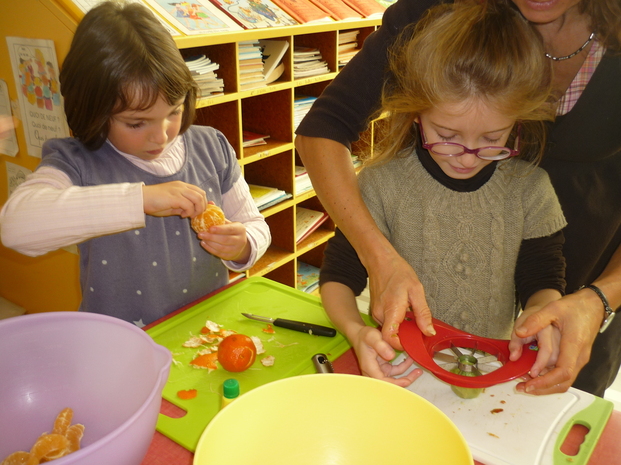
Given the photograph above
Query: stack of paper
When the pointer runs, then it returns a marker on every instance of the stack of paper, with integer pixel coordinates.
(301, 105)
(250, 65)
(252, 139)
(203, 72)
(302, 180)
(264, 196)
(308, 61)
(348, 47)
(307, 221)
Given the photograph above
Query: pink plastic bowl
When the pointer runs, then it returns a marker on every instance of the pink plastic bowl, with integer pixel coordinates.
(108, 371)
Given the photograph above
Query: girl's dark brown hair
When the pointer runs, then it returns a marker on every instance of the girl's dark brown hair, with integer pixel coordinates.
(121, 58)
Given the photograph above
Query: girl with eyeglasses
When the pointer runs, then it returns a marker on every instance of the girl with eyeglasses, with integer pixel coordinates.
(454, 185)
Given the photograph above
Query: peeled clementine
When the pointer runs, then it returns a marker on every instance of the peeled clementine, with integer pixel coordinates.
(236, 353)
(212, 216)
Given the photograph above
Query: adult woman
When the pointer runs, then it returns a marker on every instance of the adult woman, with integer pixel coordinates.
(583, 160)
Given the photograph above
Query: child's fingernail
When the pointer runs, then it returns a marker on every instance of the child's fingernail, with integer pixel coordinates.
(431, 330)
(529, 389)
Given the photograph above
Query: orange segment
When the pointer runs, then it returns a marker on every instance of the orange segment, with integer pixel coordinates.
(74, 436)
(62, 422)
(50, 446)
(19, 458)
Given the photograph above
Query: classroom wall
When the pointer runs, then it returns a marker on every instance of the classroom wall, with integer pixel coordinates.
(50, 282)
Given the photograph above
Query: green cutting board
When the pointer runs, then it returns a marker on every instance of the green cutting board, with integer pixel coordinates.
(292, 349)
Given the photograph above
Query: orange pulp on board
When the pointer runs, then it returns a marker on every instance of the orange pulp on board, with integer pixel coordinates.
(236, 353)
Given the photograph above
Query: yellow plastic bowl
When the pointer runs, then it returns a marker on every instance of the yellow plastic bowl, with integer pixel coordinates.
(326, 419)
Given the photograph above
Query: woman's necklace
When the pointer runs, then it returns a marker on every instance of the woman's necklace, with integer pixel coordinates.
(571, 55)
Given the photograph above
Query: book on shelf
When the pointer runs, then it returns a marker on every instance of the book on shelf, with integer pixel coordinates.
(345, 57)
(203, 72)
(265, 196)
(337, 9)
(273, 52)
(234, 277)
(302, 180)
(348, 36)
(250, 65)
(251, 14)
(303, 11)
(198, 17)
(252, 139)
(386, 3)
(307, 278)
(301, 105)
(274, 75)
(367, 8)
(307, 221)
(307, 61)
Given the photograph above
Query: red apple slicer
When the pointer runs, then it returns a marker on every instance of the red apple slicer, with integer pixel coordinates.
(424, 349)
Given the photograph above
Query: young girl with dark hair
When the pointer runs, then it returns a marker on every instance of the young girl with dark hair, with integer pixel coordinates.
(125, 187)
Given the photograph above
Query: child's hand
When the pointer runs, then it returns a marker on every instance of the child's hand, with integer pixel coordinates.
(548, 340)
(374, 356)
(227, 241)
(173, 198)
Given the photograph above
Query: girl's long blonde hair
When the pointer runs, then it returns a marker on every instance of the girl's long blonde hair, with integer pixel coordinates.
(467, 50)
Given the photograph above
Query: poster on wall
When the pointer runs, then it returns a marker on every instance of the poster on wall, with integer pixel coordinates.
(15, 175)
(8, 140)
(35, 70)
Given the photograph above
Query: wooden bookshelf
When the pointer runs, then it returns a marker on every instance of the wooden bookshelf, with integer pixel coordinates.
(266, 110)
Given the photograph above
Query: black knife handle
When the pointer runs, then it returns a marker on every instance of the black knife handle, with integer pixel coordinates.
(309, 328)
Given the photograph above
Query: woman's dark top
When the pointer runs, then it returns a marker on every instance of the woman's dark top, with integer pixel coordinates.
(583, 160)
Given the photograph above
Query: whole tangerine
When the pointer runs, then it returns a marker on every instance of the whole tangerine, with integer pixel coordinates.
(236, 353)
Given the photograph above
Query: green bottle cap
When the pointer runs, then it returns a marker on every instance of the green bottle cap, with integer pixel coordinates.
(230, 388)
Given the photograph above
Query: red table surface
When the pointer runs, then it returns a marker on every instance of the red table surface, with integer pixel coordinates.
(164, 451)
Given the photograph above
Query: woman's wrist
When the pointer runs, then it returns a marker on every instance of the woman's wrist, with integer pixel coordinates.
(603, 303)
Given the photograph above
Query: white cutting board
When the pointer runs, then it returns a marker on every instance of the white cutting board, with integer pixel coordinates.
(526, 431)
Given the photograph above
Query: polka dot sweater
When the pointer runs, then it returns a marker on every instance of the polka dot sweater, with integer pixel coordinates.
(143, 274)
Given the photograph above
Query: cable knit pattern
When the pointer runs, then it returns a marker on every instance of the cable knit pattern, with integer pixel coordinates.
(463, 246)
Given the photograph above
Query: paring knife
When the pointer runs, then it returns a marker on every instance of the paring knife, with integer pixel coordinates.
(309, 328)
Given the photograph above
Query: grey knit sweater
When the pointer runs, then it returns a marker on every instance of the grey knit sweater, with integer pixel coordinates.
(463, 245)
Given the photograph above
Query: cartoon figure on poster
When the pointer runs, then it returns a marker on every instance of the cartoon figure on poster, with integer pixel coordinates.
(263, 10)
(38, 79)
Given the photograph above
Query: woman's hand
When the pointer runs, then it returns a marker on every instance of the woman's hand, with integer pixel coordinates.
(374, 356)
(173, 198)
(394, 289)
(577, 317)
(227, 241)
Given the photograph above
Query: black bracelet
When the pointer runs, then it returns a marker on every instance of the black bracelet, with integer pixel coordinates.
(609, 313)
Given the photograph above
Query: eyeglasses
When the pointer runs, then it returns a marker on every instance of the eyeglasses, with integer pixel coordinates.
(453, 149)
